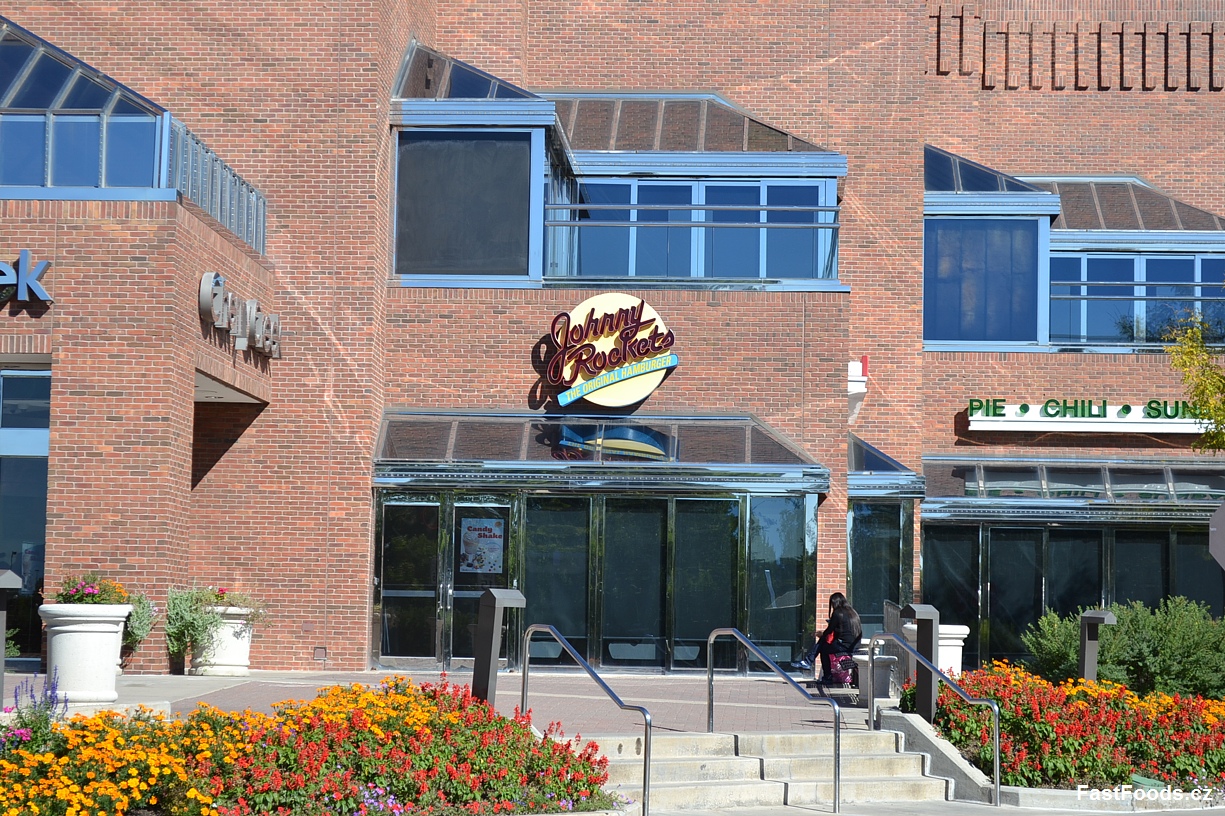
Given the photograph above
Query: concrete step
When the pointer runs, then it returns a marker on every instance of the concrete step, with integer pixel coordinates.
(882, 789)
(685, 769)
(817, 742)
(665, 745)
(854, 766)
(707, 795)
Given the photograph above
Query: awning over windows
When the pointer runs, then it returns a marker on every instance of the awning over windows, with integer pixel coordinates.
(429, 74)
(607, 453)
(1072, 490)
(945, 172)
(1123, 204)
(871, 473)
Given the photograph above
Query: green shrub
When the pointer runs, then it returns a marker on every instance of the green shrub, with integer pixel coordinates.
(10, 648)
(1176, 648)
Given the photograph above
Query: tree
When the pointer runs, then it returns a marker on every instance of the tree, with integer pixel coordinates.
(1203, 379)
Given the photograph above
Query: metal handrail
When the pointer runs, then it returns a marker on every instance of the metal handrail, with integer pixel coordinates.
(958, 690)
(762, 656)
(585, 666)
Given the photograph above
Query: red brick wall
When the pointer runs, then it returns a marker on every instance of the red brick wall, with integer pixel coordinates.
(124, 335)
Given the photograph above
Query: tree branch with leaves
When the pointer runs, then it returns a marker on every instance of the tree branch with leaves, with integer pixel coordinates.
(1203, 379)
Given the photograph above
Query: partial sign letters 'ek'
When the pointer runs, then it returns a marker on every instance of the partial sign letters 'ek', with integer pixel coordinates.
(20, 279)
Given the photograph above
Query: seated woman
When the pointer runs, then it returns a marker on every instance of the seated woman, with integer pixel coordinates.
(836, 643)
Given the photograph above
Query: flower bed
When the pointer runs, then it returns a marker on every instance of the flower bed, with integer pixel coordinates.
(394, 748)
(1083, 732)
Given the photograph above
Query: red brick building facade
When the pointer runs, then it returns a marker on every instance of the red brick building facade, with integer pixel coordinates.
(281, 486)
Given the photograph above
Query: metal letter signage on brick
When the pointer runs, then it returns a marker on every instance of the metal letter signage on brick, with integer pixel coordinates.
(19, 280)
(244, 320)
(611, 350)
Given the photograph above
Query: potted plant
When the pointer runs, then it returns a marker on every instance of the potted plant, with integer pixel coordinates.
(215, 625)
(84, 634)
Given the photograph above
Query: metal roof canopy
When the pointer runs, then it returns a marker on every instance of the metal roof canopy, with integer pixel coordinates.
(594, 452)
(1070, 490)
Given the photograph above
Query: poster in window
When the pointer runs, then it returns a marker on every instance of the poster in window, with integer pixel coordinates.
(481, 545)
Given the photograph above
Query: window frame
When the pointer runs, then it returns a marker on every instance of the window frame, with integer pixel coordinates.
(1042, 318)
(1140, 260)
(700, 231)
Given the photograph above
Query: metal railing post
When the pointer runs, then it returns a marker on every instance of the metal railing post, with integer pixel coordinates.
(585, 666)
(762, 656)
(937, 676)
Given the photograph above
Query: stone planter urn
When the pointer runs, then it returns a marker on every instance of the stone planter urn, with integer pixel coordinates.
(228, 653)
(83, 648)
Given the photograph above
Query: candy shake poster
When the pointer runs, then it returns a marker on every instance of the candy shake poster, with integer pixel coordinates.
(481, 543)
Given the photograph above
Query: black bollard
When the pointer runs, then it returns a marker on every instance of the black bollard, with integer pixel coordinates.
(489, 639)
(927, 618)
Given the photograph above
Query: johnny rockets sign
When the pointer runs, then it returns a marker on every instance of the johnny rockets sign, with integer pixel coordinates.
(611, 350)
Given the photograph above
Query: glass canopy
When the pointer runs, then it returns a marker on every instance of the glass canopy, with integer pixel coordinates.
(960, 487)
(428, 74)
(639, 450)
(944, 172)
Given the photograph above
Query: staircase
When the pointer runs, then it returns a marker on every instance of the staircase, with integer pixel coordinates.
(718, 771)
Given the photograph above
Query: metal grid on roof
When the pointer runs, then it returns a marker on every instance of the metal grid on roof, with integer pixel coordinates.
(667, 122)
(1124, 205)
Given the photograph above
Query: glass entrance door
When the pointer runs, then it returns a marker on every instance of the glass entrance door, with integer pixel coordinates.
(406, 593)
(480, 558)
(635, 563)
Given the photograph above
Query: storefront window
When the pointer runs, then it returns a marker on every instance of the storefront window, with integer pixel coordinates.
(1196, 574)
(1014, 589)
(950, 579)
(777, 555)
(635, 556)
(1074, 577)
(705, 579)
(877, 543)
(555, 567)
(1141, 566)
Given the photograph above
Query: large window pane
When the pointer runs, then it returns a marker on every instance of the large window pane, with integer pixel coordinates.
(1162, 316)
(664, 252)
(462, 203)
(604, 252)
(1110, 320)
(1196, 574)
(876, 561)
(1141, 566)
(792, 253)
(776, 572)
(130, 151)
(42, 84)
(635, 552)
(1075, 576)
(555, 572)
(950, 579)
(409, 579)
(980, 280)
(76, 151)
(23, 147)
(733, 252)
(704, 580)
(25, 402)
(1067, 320)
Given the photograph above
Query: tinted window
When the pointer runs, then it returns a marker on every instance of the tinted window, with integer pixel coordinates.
(25, 402)
(130, 150)
(23, 147)
(75, 151)
(462, 203)
(980, 280)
